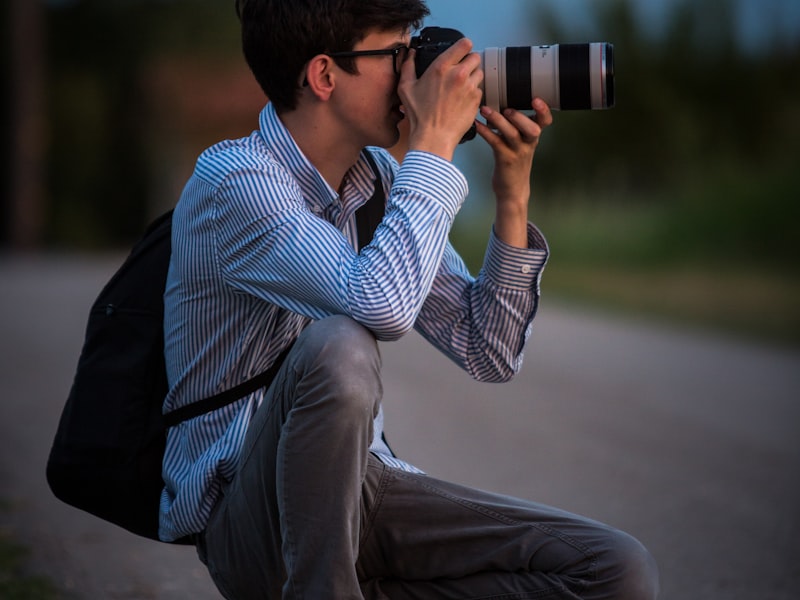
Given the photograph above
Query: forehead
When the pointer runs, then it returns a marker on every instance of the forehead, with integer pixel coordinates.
(378, 38)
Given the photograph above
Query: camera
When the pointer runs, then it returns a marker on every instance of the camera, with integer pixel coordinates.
(565, 76)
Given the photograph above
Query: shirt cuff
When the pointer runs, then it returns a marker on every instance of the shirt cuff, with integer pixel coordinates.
(516, 268)
(434, 177)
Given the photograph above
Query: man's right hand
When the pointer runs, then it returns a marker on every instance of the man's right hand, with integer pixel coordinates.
(442, 104)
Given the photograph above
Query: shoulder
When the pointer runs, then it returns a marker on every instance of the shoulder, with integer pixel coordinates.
(245, 175)
(243, 158)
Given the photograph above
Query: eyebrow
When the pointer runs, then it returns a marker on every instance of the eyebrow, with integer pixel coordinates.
(395, 44)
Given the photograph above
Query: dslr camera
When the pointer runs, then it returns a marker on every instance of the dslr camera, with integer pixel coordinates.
(566, 76)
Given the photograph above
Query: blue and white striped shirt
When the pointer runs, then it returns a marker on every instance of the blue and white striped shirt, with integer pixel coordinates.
(262, 245)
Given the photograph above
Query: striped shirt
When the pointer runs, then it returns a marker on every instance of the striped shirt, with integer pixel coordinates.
(262, 245)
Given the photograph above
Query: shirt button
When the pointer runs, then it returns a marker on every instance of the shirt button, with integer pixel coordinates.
(526, 269)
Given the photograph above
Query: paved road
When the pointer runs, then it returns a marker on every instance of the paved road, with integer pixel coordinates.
(687, 441)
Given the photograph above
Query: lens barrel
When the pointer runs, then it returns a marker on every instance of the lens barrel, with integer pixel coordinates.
(566, 76)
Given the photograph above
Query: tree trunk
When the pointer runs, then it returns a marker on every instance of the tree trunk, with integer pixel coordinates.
(27, 125)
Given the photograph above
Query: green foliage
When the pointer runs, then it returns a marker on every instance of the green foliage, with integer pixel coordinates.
(695, 167)
(683, 199)
(15, 584)
(688, 101)
(723, 219)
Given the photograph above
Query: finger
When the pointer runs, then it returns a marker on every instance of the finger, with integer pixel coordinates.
(501, 138)
(408, 70)
(544, 116)
(457, 52)
(459, 57)
(528, 129)
(498, 125)
(512, 125)
(487, 132)
(496, 142)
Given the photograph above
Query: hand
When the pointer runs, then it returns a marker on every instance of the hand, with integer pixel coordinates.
(441, 105)
(513, 137)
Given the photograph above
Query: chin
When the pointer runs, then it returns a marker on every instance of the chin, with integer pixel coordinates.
(389, 139)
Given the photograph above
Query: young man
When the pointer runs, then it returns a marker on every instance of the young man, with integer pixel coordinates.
(291, 491)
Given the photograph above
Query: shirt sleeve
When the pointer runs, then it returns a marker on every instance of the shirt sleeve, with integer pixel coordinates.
(271, 245)
(482, 323)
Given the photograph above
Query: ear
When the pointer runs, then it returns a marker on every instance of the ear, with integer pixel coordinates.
(320, 77)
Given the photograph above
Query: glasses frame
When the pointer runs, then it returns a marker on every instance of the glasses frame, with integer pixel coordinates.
(395, 53)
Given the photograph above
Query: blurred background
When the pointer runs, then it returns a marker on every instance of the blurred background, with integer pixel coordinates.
(660, 394)
(680, 203)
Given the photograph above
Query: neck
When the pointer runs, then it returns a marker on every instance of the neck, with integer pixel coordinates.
(321, 142)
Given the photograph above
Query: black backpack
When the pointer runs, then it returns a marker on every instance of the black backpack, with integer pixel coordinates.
(107, 455)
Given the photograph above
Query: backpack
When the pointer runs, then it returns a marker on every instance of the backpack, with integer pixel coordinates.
(106, 458)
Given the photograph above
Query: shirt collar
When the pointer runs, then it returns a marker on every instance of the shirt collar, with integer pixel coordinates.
(315, 189)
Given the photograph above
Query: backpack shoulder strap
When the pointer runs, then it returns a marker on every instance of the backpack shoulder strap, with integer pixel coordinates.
(229, 396)
(368, 217)
(371, 213)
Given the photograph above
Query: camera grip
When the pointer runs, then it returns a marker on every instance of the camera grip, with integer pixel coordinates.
(429, 44)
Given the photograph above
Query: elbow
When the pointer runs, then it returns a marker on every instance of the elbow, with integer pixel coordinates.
(507, 376)
(392, 326)
(497, 370)
(496, 377)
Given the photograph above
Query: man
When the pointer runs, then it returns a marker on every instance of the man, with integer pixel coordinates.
(292, 491)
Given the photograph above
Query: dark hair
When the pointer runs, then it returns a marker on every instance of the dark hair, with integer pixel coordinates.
(280, 36)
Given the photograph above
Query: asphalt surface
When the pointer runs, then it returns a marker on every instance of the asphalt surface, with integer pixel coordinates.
(688, 441)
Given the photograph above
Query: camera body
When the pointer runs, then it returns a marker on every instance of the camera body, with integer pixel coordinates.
(565, 76)
(430, 43)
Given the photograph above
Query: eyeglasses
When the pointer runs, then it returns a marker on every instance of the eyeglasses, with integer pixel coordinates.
(398, 54)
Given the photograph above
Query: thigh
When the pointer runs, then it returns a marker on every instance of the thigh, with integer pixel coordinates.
(421, 527)
(427, 538)
(289, 517)
(241, 544)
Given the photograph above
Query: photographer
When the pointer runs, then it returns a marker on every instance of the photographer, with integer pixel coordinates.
(292, 491)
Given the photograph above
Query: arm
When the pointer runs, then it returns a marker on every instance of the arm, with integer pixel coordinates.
(281, 252)
(513, 138)
(482, 323)
(271, 245)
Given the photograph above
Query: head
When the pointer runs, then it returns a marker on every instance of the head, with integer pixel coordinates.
(279, 37)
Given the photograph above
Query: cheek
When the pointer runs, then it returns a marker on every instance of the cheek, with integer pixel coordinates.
(376, 100)
(384, 85)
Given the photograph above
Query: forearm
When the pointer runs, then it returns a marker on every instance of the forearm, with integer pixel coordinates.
(511, 220)
(382, 287)
(482, 323)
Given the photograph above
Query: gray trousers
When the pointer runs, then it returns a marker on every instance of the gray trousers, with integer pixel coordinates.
(312, 514)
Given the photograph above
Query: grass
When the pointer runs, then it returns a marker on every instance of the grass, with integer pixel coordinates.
(751, 305)
(16, 583)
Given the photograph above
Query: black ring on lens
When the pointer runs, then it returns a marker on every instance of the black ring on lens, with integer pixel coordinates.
(518, 77)
(575, 82)
(610, 99)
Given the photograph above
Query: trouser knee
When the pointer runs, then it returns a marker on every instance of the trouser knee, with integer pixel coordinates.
(342, 355)
(634, 574)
